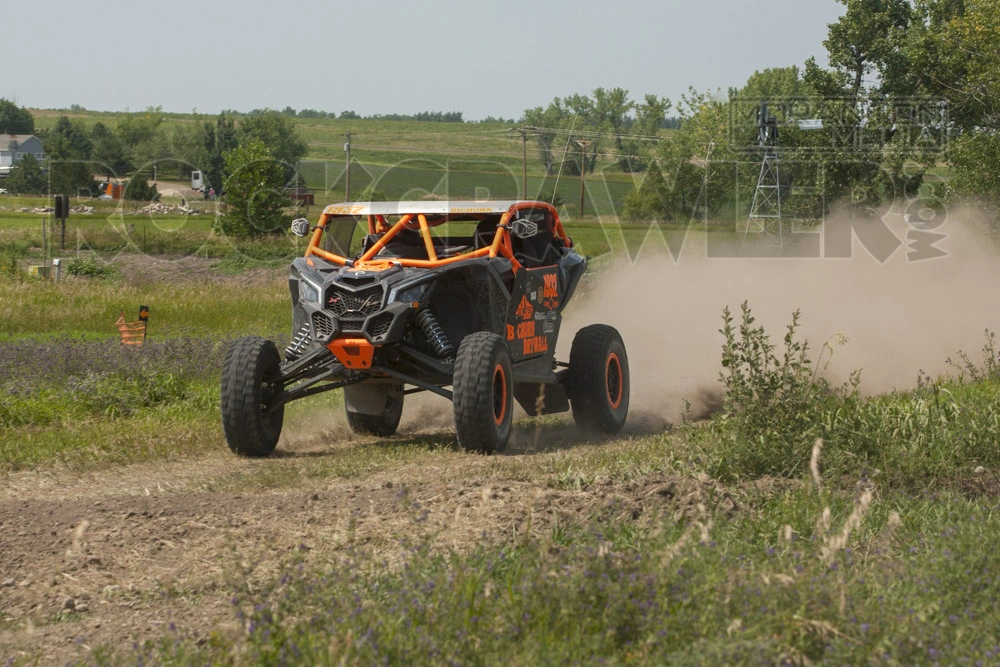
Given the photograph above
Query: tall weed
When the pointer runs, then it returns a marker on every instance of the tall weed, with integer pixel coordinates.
(775, 400)
(777, 403)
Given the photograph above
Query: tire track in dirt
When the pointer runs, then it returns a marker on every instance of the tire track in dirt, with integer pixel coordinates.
(113, 557)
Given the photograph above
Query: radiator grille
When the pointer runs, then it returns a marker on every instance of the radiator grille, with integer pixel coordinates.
(344, 303)
(322, 326)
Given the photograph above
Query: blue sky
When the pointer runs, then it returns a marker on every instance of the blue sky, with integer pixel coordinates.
(377, 56)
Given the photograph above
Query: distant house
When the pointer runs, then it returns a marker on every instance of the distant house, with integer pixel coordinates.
(13, 147)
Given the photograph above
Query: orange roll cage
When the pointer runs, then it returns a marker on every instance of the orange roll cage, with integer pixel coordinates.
(377, 224)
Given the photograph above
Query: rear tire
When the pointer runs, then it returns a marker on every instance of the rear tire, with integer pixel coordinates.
(250, 381)
(598, 379)
(382, 425)
(483, 393)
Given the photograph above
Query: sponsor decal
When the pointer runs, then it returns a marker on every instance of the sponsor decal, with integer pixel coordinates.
(551, 288)
(525, 310)
(551, 318)
(536, 344)
(344, 210)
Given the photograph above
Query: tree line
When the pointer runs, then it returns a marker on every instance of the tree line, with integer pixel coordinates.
(142, 145)
(424, 116)
(912, 86)
(608, 125)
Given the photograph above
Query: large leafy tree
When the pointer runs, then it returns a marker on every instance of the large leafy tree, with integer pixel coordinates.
(277, 133)
(710, 164)
(889, 58)
(218, 138)
(883, 54)
(146, 137)
(69, 139)
(69, 151)
(889, 52)
(111, 156)
(186, 146)
(138, 187)
(254, 200)
(548, 121)
(27, 177)
(968, 75)
(866, 40)
(612, 111)
(616, 127)
(679, 168)
(650, 115)
(14, 119)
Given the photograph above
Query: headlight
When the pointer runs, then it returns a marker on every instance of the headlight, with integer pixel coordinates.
(408, 294)
(308, 292)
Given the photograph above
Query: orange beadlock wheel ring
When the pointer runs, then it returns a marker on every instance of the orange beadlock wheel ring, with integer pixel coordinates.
(499, 398)
(614, 381)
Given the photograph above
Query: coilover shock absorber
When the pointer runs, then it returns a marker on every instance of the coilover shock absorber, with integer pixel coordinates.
(435, 334)
(299, 343)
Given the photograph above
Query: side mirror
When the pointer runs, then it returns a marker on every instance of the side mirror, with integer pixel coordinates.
(300, 227)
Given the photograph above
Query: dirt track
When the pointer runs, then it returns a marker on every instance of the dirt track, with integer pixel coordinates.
(113, 557)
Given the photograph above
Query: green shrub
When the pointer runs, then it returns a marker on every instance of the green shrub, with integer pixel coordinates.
(90, 266)
(933, 435)
(139, 189)
(774, 405)
(255, 200)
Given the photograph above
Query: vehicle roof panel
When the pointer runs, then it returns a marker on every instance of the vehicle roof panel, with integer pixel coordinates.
(416, 207)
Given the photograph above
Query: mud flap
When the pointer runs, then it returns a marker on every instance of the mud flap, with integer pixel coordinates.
(541, 399)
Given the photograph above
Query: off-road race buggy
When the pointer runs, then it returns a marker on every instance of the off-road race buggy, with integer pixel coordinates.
(466, 295)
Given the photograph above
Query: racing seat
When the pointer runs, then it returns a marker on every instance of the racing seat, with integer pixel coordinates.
(536, 246)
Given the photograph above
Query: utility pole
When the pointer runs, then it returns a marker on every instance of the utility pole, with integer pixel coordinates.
(523, 131)
(584, 145)
(347, 172)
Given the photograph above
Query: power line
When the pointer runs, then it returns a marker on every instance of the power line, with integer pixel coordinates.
(420, 149)
(532, 131)
(601, 135)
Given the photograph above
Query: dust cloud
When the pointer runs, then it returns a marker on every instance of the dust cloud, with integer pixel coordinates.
(899, 317)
